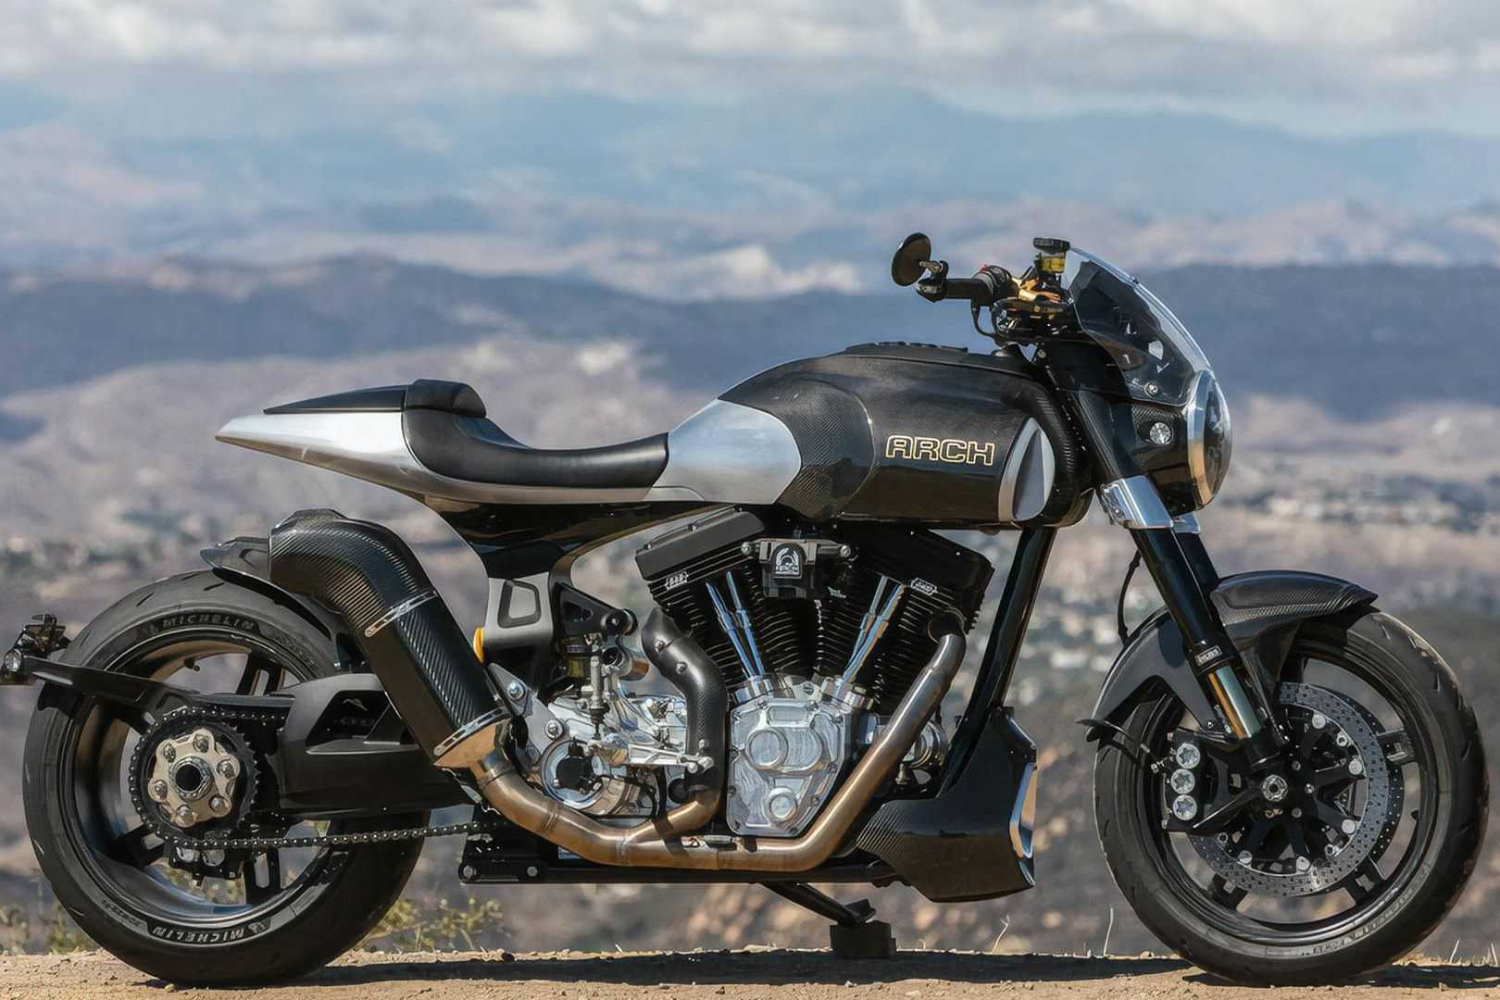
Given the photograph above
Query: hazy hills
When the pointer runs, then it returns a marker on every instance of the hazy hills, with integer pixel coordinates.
(755, 198)
(1358, 340)
(769, 151)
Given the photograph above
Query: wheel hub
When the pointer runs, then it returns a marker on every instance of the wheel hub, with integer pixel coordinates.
(194, 778)
(194, 775)
(1306, 837)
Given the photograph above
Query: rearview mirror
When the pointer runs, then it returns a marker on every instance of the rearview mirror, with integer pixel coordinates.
(907, 265)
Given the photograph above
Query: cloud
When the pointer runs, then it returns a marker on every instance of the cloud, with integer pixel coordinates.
(1376, 58)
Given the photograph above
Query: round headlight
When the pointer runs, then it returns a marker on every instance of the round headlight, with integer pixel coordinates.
(1209, 443)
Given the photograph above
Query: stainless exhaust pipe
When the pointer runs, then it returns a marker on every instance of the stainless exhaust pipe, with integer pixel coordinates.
(667, 843)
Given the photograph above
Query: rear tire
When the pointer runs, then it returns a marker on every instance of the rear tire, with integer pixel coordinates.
(1424, 887)
(304, 928)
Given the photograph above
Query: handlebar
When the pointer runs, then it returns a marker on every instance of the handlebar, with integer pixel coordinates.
(987, 287)
(1020, 308)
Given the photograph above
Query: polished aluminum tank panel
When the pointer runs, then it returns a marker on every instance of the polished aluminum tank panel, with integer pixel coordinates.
(731, 453)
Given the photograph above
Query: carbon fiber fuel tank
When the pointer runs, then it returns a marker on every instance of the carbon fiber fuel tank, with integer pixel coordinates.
(923, 433)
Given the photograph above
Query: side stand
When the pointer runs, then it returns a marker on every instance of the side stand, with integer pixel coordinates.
(854, 934)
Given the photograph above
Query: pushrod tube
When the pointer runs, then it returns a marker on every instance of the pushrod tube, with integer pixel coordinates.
(1022, 584)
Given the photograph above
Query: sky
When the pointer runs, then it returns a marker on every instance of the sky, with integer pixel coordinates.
(779, 142)
(226, 67)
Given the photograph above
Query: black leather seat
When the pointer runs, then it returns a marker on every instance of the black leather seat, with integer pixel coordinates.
(447, 431)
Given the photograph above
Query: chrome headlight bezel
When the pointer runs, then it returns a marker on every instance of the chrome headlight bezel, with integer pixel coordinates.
(1210, 443)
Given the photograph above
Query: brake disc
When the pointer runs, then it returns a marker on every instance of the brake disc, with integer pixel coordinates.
(1354, 733)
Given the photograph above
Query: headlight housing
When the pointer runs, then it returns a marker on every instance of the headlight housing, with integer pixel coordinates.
(1209, 441)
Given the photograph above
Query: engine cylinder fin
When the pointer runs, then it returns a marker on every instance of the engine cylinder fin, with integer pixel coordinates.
(819, 635)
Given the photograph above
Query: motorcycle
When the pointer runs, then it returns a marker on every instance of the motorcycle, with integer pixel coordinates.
(230, 773)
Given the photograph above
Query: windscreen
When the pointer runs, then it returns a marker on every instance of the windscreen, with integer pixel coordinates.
(1154, 351)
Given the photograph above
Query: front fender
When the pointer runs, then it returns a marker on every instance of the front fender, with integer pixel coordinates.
(1261, 613)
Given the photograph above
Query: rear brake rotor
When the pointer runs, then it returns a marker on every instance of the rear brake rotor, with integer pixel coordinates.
(1340, 733)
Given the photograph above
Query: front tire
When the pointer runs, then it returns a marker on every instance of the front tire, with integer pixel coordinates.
(109, 870)
(1401, 891)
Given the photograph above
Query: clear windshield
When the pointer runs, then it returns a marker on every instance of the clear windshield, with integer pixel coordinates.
(1154, 351)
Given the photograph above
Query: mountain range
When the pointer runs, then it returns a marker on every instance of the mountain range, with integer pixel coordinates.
(1357, 340)
(755, 198)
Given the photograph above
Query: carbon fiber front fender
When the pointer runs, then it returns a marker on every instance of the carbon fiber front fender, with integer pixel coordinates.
(1261, 611)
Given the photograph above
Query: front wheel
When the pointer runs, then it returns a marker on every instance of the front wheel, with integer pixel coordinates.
(1341, 860)
(99, 798)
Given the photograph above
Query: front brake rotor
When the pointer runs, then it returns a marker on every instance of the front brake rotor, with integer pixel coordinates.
(1341, 734)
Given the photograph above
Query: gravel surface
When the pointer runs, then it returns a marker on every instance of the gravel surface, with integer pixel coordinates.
(757, 974)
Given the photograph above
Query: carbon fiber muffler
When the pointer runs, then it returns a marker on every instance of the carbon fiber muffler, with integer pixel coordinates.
(368, 575)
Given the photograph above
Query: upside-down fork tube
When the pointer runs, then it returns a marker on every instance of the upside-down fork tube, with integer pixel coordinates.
(367, 574)
(660, 843)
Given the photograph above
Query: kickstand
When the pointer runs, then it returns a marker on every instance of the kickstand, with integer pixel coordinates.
(854, 934)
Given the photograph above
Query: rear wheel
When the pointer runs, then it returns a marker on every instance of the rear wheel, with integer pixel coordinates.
(103, 785)
(1343, 859)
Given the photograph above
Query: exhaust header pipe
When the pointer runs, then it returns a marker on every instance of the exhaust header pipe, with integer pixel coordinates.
(688, 668)
(367, 574)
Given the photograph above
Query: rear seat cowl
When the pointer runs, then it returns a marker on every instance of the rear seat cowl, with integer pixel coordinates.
(423, 394)
(446, 397)
(446, 430)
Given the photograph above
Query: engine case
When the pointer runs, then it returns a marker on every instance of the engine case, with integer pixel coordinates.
(787, 748)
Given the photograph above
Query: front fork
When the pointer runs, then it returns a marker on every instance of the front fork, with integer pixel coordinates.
(1173, 553)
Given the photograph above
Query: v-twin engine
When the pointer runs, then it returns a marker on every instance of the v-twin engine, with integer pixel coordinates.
(819, 636)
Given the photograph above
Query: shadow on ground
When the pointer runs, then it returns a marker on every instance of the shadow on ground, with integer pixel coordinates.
(778, 967)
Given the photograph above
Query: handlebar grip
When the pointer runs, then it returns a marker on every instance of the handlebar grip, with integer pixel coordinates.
(981, 290)
(976, 290)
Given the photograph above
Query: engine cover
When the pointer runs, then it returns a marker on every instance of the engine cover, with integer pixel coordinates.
(787, 747)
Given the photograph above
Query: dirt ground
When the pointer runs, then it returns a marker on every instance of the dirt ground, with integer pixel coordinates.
(749, 975)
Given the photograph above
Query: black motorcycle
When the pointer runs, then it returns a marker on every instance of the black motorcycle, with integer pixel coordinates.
(230, 772)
